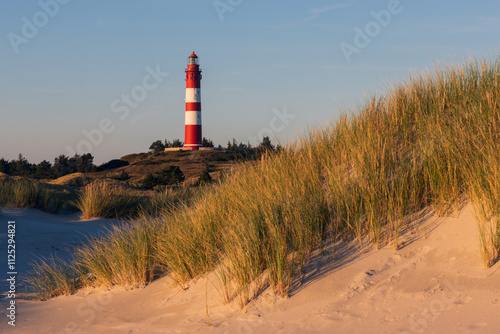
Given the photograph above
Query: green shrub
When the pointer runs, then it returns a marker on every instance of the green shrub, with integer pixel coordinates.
(170, 175)
(204, 178)
(112, 164)
(122, 176)
(150, 181)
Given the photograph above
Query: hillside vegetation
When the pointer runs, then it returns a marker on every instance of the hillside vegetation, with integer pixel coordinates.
(20, 192)
(117, 189)
(430, 142)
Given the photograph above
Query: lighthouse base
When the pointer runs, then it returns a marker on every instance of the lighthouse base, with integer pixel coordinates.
(191, 148)
(176, 149)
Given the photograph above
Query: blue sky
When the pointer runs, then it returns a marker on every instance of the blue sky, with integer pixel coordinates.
(269, 67)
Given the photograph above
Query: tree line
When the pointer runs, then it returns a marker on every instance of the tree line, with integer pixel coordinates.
(62, 165)
(245, 150)
(84, 163)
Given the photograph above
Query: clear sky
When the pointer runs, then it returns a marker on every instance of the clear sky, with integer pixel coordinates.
(71, 67)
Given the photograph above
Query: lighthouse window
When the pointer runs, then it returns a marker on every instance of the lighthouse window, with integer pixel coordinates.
(193, 61)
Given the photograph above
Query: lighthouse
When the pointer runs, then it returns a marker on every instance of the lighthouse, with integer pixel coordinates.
(192, 139)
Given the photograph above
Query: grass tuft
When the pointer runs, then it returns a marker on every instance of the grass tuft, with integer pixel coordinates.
(126, 256)
(100, 199)
(53, 277)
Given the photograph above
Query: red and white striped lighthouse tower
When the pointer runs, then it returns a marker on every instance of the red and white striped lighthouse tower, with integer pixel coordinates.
(192, 139)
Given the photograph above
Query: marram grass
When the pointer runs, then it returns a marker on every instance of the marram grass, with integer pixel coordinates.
(433, 141)
(112, 200)
(27, 193)
(100, 199)
(53, 277)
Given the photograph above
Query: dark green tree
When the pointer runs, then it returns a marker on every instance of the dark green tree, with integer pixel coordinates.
(265, 145)
(232, 147)
(21, 167)
(157, 147)
(4, 166)
(84, 163)
(44, 170)
(62, 166)
(177, 143)
(207, 142)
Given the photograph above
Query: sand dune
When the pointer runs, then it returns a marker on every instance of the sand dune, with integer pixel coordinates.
(435, 284)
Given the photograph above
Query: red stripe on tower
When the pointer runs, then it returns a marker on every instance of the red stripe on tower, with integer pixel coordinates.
(192, 139)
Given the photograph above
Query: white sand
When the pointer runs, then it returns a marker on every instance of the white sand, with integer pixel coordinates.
(435, 284)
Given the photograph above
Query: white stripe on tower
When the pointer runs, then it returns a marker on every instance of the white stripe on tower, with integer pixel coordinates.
(193, 118)
(193, 95)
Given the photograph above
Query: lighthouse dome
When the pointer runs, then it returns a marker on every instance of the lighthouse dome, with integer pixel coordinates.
(193, 59)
